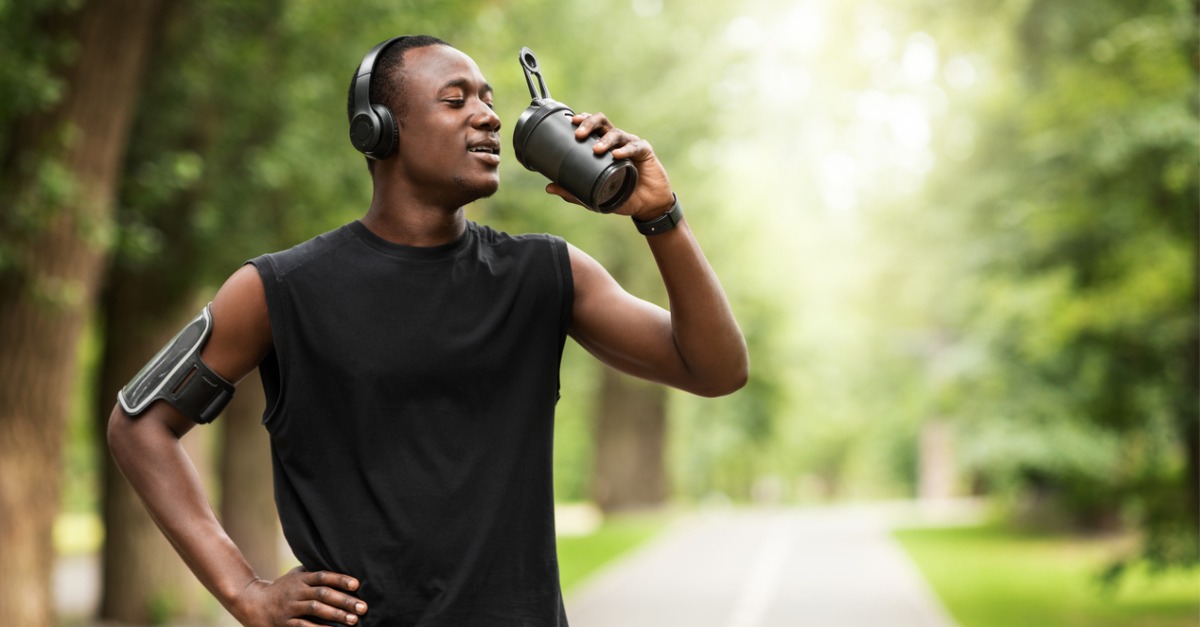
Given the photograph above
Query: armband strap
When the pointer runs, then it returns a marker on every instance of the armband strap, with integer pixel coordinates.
(180, 377)
(663, 223)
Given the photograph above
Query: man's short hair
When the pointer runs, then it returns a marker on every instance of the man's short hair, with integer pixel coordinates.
(390, 68)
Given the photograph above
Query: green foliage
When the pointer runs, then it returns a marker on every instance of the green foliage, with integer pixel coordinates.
(28, 78)
(163, 607)
(186, 188)
(34, 185)
(1088, 301)
(722, 446)
(991, 222)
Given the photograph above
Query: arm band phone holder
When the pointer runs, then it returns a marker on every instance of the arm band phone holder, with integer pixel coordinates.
(178, 376)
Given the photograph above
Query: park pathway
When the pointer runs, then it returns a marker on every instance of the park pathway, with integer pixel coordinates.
(824, 567)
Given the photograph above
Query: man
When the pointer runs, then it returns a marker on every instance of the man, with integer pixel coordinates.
(411, 364)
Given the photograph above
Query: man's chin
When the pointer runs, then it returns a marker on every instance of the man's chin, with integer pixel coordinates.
(477, 189)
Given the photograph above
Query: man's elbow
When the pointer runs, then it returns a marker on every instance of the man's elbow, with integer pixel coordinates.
(732, 385)
(128, 438)
(728, 381)
(117, 434)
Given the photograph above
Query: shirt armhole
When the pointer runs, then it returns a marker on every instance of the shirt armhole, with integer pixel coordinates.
(566, 284)
(270, 369)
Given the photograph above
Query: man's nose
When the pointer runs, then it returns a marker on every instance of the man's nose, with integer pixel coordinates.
(486, 118)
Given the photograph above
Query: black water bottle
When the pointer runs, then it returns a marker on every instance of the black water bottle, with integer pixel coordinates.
(544, 141)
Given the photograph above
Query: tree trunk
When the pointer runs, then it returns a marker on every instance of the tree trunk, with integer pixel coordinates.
(937, 475)
(48, 293)
(630, 440)
(144, 581)
(247, 492)
(145, 305)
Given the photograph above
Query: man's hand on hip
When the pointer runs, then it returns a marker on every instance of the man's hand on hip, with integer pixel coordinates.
(291, 599)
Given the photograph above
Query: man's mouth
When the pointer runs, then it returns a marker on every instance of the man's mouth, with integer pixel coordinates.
(488, 153)
(488, 148)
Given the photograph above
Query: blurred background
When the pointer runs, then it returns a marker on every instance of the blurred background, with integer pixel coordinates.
(960, 237)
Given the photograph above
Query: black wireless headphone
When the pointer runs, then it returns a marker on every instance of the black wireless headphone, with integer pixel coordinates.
(373, 129)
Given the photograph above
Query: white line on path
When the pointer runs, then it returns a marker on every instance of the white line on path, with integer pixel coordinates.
(750, 605)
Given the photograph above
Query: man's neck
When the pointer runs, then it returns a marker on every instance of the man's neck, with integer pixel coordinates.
(415, 226)
(401, 216)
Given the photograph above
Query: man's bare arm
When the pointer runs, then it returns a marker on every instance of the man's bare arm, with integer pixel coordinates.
(696, 345)
(148, 451)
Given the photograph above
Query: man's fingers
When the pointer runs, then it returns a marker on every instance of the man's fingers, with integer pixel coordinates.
(317, 609)
(636, 149)
(614, 138)
(332, 597)
(622, 144)
(299, 622)
(590, 123)
(336, 580)
(324, 598)
(561, 192)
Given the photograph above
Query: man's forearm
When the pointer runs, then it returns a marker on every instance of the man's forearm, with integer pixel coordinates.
(152, 458)
(706, 334)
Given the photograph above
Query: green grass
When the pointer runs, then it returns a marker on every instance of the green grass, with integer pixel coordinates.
(990, 576)
(580, 556)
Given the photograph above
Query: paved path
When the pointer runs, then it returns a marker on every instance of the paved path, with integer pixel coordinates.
(828, 567)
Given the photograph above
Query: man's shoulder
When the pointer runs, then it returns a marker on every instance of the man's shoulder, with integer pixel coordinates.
(284, 261)
(502, 239)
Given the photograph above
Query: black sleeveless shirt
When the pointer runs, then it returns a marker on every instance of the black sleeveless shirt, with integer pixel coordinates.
(410, 403)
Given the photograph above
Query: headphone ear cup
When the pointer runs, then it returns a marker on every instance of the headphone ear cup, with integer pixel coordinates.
(364, 132)
(389, 133)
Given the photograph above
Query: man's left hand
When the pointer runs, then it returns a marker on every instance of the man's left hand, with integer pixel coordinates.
(652, 197)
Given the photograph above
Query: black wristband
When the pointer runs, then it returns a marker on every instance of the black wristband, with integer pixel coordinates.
(663, 223)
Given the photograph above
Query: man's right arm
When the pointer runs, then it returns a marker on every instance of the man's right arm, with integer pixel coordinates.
(148, 451)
